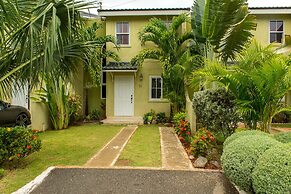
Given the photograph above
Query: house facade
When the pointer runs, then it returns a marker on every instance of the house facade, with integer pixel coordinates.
(129, 91)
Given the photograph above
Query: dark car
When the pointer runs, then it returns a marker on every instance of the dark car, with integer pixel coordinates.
(13, 115)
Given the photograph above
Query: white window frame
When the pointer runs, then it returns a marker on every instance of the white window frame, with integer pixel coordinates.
(283, 31)
(117, 33)
(150, 88)
(102, 84)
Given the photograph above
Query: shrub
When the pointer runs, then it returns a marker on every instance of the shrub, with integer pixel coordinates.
(149, 117)
(178, 117)
(18, 142)
(272, 175)
(241, 134)
(282, 117)
(284, 137)
(161, 117)
(95, 115)
(202, 142)
(216, 110)
(1, 173)
(183, 130)
(74, 108)
(240, 157)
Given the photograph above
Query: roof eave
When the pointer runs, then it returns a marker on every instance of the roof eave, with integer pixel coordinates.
(270, 10)
(143, 12)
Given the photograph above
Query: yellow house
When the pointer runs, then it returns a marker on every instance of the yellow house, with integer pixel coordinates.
(127, 93)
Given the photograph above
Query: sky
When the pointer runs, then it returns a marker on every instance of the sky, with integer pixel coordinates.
(129, 4)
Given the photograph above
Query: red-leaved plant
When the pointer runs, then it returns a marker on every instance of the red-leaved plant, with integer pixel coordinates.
(202, 142)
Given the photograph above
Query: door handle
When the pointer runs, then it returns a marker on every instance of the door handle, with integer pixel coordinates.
(131, 98)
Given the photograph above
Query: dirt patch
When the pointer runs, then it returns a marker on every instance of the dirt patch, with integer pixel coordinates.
(122, 162)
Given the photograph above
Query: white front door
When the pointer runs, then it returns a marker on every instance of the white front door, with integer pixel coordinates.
(124, 96)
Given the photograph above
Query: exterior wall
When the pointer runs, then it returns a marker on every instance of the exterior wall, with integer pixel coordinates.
(142, 102)
(263, 21)
(40, 119)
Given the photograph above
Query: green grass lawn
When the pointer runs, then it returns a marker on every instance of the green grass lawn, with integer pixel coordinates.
(73, 146)
(143, 149)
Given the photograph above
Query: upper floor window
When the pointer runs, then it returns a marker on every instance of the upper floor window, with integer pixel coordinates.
(122, 33)
(276, 31)
(156, 88)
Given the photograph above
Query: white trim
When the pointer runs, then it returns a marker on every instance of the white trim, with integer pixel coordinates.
(123, 45)
(121, 71)
(142, 12)
(270, 11)
(150, 89)
(269, 31)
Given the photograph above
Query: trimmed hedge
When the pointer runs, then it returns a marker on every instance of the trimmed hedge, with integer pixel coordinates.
(272, 175)
(240, 157)
(284, 137)
(241, 134)
(18, 142)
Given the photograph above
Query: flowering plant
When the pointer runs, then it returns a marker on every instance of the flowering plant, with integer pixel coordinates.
(17, 142)
(183, 130)
(202, 141)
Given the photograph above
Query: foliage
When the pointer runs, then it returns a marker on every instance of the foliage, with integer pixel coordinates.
(202, 142)
(44, 36)
(283, 137)
(74, 104)
(149, 117)
(242, 134)
(18, 142)
(178, 117)
(259, 82)
(2, 171)
(240, 157)
(183, 130)
(222, 27)
(216, 110)
(95, 115)
(161, 117)
(272, 172)
(173, 52)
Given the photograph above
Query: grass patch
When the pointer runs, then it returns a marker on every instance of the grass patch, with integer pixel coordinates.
(73, 146)
(281, 125)
(143, 149)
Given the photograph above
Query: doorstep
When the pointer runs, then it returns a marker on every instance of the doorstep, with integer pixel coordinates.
(123, 121)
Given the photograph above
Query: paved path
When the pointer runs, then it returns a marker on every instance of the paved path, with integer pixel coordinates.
(173, 153)
(122, 181)
(109, 154)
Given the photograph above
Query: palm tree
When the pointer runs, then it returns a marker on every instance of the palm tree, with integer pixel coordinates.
(259, 82)
(43, 36)
(174, 50)
(222, 27)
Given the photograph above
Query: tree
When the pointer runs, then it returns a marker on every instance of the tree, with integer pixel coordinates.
(259, 82)
(222, 28)
(173, 49)
(44, 36)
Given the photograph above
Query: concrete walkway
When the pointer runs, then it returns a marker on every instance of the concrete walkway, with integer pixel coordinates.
(109, 154)
(173, 153)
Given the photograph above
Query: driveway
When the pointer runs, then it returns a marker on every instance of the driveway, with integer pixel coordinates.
(121, 181)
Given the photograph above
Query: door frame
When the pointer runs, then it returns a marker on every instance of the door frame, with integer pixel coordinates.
(115, 99)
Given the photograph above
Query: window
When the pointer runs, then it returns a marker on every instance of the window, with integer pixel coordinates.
(122, 33)
(276, 31)
(103, 86)
(156, 87)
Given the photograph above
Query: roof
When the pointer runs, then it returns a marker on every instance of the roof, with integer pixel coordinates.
(119, 67)
(271, 4)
